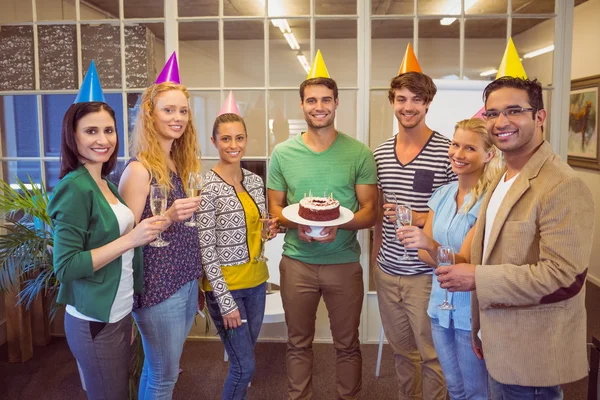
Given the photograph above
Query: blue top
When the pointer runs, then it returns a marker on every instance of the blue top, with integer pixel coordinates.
(449, 229)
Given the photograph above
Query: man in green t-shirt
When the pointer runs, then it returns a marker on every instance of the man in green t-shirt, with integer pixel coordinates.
(322, 160)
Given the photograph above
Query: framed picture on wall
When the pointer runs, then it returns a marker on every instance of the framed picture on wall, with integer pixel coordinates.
(584, 146)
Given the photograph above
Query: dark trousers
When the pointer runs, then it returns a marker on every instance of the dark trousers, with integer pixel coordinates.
(103, 352)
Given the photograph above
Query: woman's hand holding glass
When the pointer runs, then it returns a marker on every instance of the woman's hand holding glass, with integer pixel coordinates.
(413, 237)
(195, 185)
(269, 226)
(445, 256)
(158, 206)
(146, 231)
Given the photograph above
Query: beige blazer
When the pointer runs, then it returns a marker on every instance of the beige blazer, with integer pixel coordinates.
(530, 296)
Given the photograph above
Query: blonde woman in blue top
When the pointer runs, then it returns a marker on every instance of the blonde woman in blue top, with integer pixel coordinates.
(453, 210)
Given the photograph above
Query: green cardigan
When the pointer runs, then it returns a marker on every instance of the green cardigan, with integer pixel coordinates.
(83, 220)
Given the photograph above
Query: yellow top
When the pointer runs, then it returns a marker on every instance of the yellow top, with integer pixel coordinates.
(252, 273)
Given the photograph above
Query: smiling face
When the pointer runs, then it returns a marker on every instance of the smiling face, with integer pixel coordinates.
(467, 153)
(319, 106)
(171, 114)
(96, 137)
(410, 109)
(230, 141)
(519, 134)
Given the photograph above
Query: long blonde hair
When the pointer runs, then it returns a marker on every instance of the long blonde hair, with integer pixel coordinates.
(491, 170)
(145, 145)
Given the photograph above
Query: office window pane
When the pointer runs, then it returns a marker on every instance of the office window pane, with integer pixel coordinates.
(533, 7)
(99, 9)
(288, 7)
(485, 42)
(244, 8)
(244, 54)
(52, 170)
(58, 57)
(345, 119)
(16, 58)
(141, 53)
(14, 11)
(144, 9)
(389, 39)
(535, 45)
(286, 56)
(286, 118)
(337, 41)
(382, 123)
(54, 107)
(486, 7)
(193, 8)
(102, 44)
(199, 54)
(19, 126)
(23, 170)
(55, 11)
(133, 109)
(335, 7)
(205, 107)
(387, 7)
(439, 49)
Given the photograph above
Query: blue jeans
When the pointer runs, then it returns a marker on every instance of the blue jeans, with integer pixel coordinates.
(239, 343)
(466, 375)
(500, 391)
(164, 328)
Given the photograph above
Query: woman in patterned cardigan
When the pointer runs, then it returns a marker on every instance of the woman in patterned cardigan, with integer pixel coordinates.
(233, 199)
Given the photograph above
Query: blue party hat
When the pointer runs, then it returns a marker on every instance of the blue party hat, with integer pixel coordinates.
(90, 87)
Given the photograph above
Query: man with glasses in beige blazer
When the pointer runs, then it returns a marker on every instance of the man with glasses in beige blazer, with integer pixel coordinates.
(530, 255)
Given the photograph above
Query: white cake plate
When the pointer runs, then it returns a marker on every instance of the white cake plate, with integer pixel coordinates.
(291, 213)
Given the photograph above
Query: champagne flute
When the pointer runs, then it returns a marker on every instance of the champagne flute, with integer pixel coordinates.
(194, 189)
(265, 234)
(404, 218)
(158, 205)
(445, 256)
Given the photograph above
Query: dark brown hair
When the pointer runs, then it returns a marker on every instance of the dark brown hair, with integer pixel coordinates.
(417, 82)
(69, 155)
(533, 89)
(224, 119)
(327, 82)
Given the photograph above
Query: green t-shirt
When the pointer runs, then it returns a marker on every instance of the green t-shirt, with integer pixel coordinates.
(296, 170)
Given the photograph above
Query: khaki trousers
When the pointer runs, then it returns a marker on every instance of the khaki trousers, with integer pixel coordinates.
(341, 286)
(403, 302)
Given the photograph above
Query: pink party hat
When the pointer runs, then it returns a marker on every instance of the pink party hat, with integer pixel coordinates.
(170, 72)
(479, 114)
(229, 107)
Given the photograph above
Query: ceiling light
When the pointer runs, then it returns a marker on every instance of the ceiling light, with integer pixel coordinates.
(489, 72)
(538, 52)
(282, 24)
(304, 62)
(291, 39)
(454, 9)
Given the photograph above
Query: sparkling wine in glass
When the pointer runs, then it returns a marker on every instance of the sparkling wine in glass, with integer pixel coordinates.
(265, 234)
(445, 256)
(194, 189)
(404, 218)
(158, 206)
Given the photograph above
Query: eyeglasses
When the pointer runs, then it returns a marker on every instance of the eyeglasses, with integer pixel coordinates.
(508, 113)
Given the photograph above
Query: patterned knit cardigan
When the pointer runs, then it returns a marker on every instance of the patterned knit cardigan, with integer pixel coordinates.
(222, 232)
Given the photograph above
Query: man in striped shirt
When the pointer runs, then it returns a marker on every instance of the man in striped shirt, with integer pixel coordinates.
(410, 167)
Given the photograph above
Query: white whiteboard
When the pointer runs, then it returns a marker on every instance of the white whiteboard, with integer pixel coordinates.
(455, 100)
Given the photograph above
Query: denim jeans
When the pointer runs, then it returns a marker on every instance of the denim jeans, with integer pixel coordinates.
(239, 343)
(466, 375)
(500, 391)
(164, 328)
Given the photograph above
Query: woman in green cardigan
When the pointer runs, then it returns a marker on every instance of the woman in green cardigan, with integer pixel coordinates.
(97, 253)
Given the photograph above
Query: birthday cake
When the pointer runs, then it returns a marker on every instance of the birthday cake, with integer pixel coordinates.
(319, 208)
